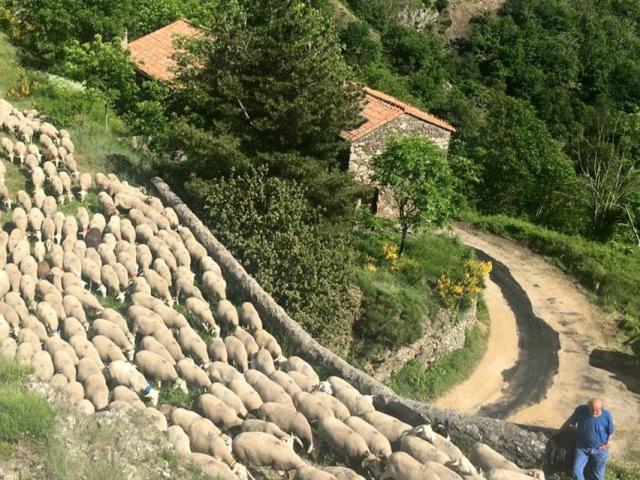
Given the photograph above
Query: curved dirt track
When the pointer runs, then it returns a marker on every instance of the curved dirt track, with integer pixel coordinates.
(582, 328)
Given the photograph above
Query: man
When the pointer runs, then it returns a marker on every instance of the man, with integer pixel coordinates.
(594, 427)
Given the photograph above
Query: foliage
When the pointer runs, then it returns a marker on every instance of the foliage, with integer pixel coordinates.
(380, 14)
(104, 66)
(419, 180)
(273, 74)
(454, 294)
(280, 239)
(22, 414)
(611, 272)
(416, 381)
(358, 46)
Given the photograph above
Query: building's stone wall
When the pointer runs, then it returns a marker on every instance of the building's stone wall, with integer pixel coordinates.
(520, 444)
(374, 143)
(444, 334)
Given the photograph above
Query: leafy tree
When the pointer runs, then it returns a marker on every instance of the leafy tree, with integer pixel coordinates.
(280, 239)
(273, 73)
(359, 48)
(416, 173)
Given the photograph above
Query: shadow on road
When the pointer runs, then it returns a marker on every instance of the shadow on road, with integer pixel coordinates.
(624, 367)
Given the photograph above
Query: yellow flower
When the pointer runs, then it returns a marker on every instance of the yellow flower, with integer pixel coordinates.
(390, 251)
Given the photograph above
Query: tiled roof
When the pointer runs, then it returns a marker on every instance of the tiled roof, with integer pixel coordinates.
(153, 53)
(380, 109)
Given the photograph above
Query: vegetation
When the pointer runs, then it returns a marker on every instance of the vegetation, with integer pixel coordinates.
(23, 415)
(415, 173)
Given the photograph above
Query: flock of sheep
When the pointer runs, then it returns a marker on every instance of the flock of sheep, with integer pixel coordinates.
(255, 407)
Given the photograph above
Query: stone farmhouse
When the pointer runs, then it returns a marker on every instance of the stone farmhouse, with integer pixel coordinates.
(383, 114)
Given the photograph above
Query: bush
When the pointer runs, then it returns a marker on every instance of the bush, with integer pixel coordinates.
(416, 381)
(272, 229)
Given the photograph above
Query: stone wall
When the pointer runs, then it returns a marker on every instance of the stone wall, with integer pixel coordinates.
(445, 333)
(374, 143)
(522, 445)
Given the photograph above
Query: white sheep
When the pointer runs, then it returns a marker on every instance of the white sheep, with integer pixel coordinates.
(228, 397)
(268, 390)
(401, 466)
(96, 390)
(107, 349)
(389, 426)
(487, 459)
(159, 369)
(246, 393)
(264, 450)
(378, 444)
(236, 353)
(193, 345)
(344, 441)
(193, 374)
(124, 373)
(289, 420)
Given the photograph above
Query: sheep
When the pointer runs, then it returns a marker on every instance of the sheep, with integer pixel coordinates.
(357, 403)
(201, 311)
(208, 264)
(127, 231)
(15, 301)
(193, 374)
(73, 392)
(111, 283)
(344, 441)
(12, 317)
(299, 365)
(303, 382)
(248, 341)
(265, 340)
(42, 365)
(63, 364)
(226, 312)
(196, 250)
(179, 440)
(107, 349)
(185, 288)
(312, 473)
(218, 411)
(86, 182)
(487, 459)
(123, 394)
(66, 185)
(53, 344)
(87, 367)
(96, 390)
(340, 411)
(124, 373)
(84, 348)
(389, 426)
(20, 149)
(87, 300)
(73, 308)
(144, 257)
(343, 473)
(19, 219)
(249, 317)
(217, 350)
(289, 420)
(263, 362)
(71, 326)
(181, 255)
(257, 425)
(422, 450)
(24, 354)
(205, 437)
(246, 393)
(5, 329)
(264, 450)
(48, 316)
(166, 338)
(213, 467)
(222, 372)
(193, 345)
(170, 317)
(442, 471)
(229, 398)
(114, 333)
(24, 200)
(159, 285)
(215, 287)
(446, 446)
(58, 381)
(8, 348)
(93, 273)
(237, 354)
(378, 444)
(28, 289)
(85, 407)
(268, 390)
(311, 407)
(6, 198)
(156, 418)
(36, 218)
(159, 369)
(401, 466)
(151, 344)
(7, 148)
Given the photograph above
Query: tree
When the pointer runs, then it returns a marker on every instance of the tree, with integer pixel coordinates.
(280, 239)
(272, 72)
(418, 177)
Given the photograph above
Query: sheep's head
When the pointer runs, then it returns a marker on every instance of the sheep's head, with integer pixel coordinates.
(324, 387)
(153, 397)
(425, 432)
(373, 465)
(181, 385)
(368, 398)
(226, 439)
(462, 466)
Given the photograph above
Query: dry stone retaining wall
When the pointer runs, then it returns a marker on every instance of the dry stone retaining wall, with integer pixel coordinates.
(520, 444)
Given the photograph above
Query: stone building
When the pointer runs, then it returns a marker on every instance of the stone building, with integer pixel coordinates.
(385, 115)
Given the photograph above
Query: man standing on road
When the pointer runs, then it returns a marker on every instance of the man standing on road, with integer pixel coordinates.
(595, 429)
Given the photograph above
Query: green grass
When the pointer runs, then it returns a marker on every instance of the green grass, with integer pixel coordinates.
(611, 272)
(90, 202)
(177, 398)
(399, 296)
(626, 469)
(22, 414)
(413, 380)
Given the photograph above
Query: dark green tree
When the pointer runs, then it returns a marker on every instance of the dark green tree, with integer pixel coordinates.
(273, 73)
(418, 178)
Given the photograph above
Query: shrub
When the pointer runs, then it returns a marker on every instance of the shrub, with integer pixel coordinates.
(273, 230)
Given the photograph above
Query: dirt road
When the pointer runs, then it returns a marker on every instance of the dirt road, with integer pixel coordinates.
(583, 331)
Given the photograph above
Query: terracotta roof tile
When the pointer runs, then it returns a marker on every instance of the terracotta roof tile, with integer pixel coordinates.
(380, 109)
(153, 53)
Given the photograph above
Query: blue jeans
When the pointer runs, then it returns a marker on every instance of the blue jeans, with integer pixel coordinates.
(594, 459)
